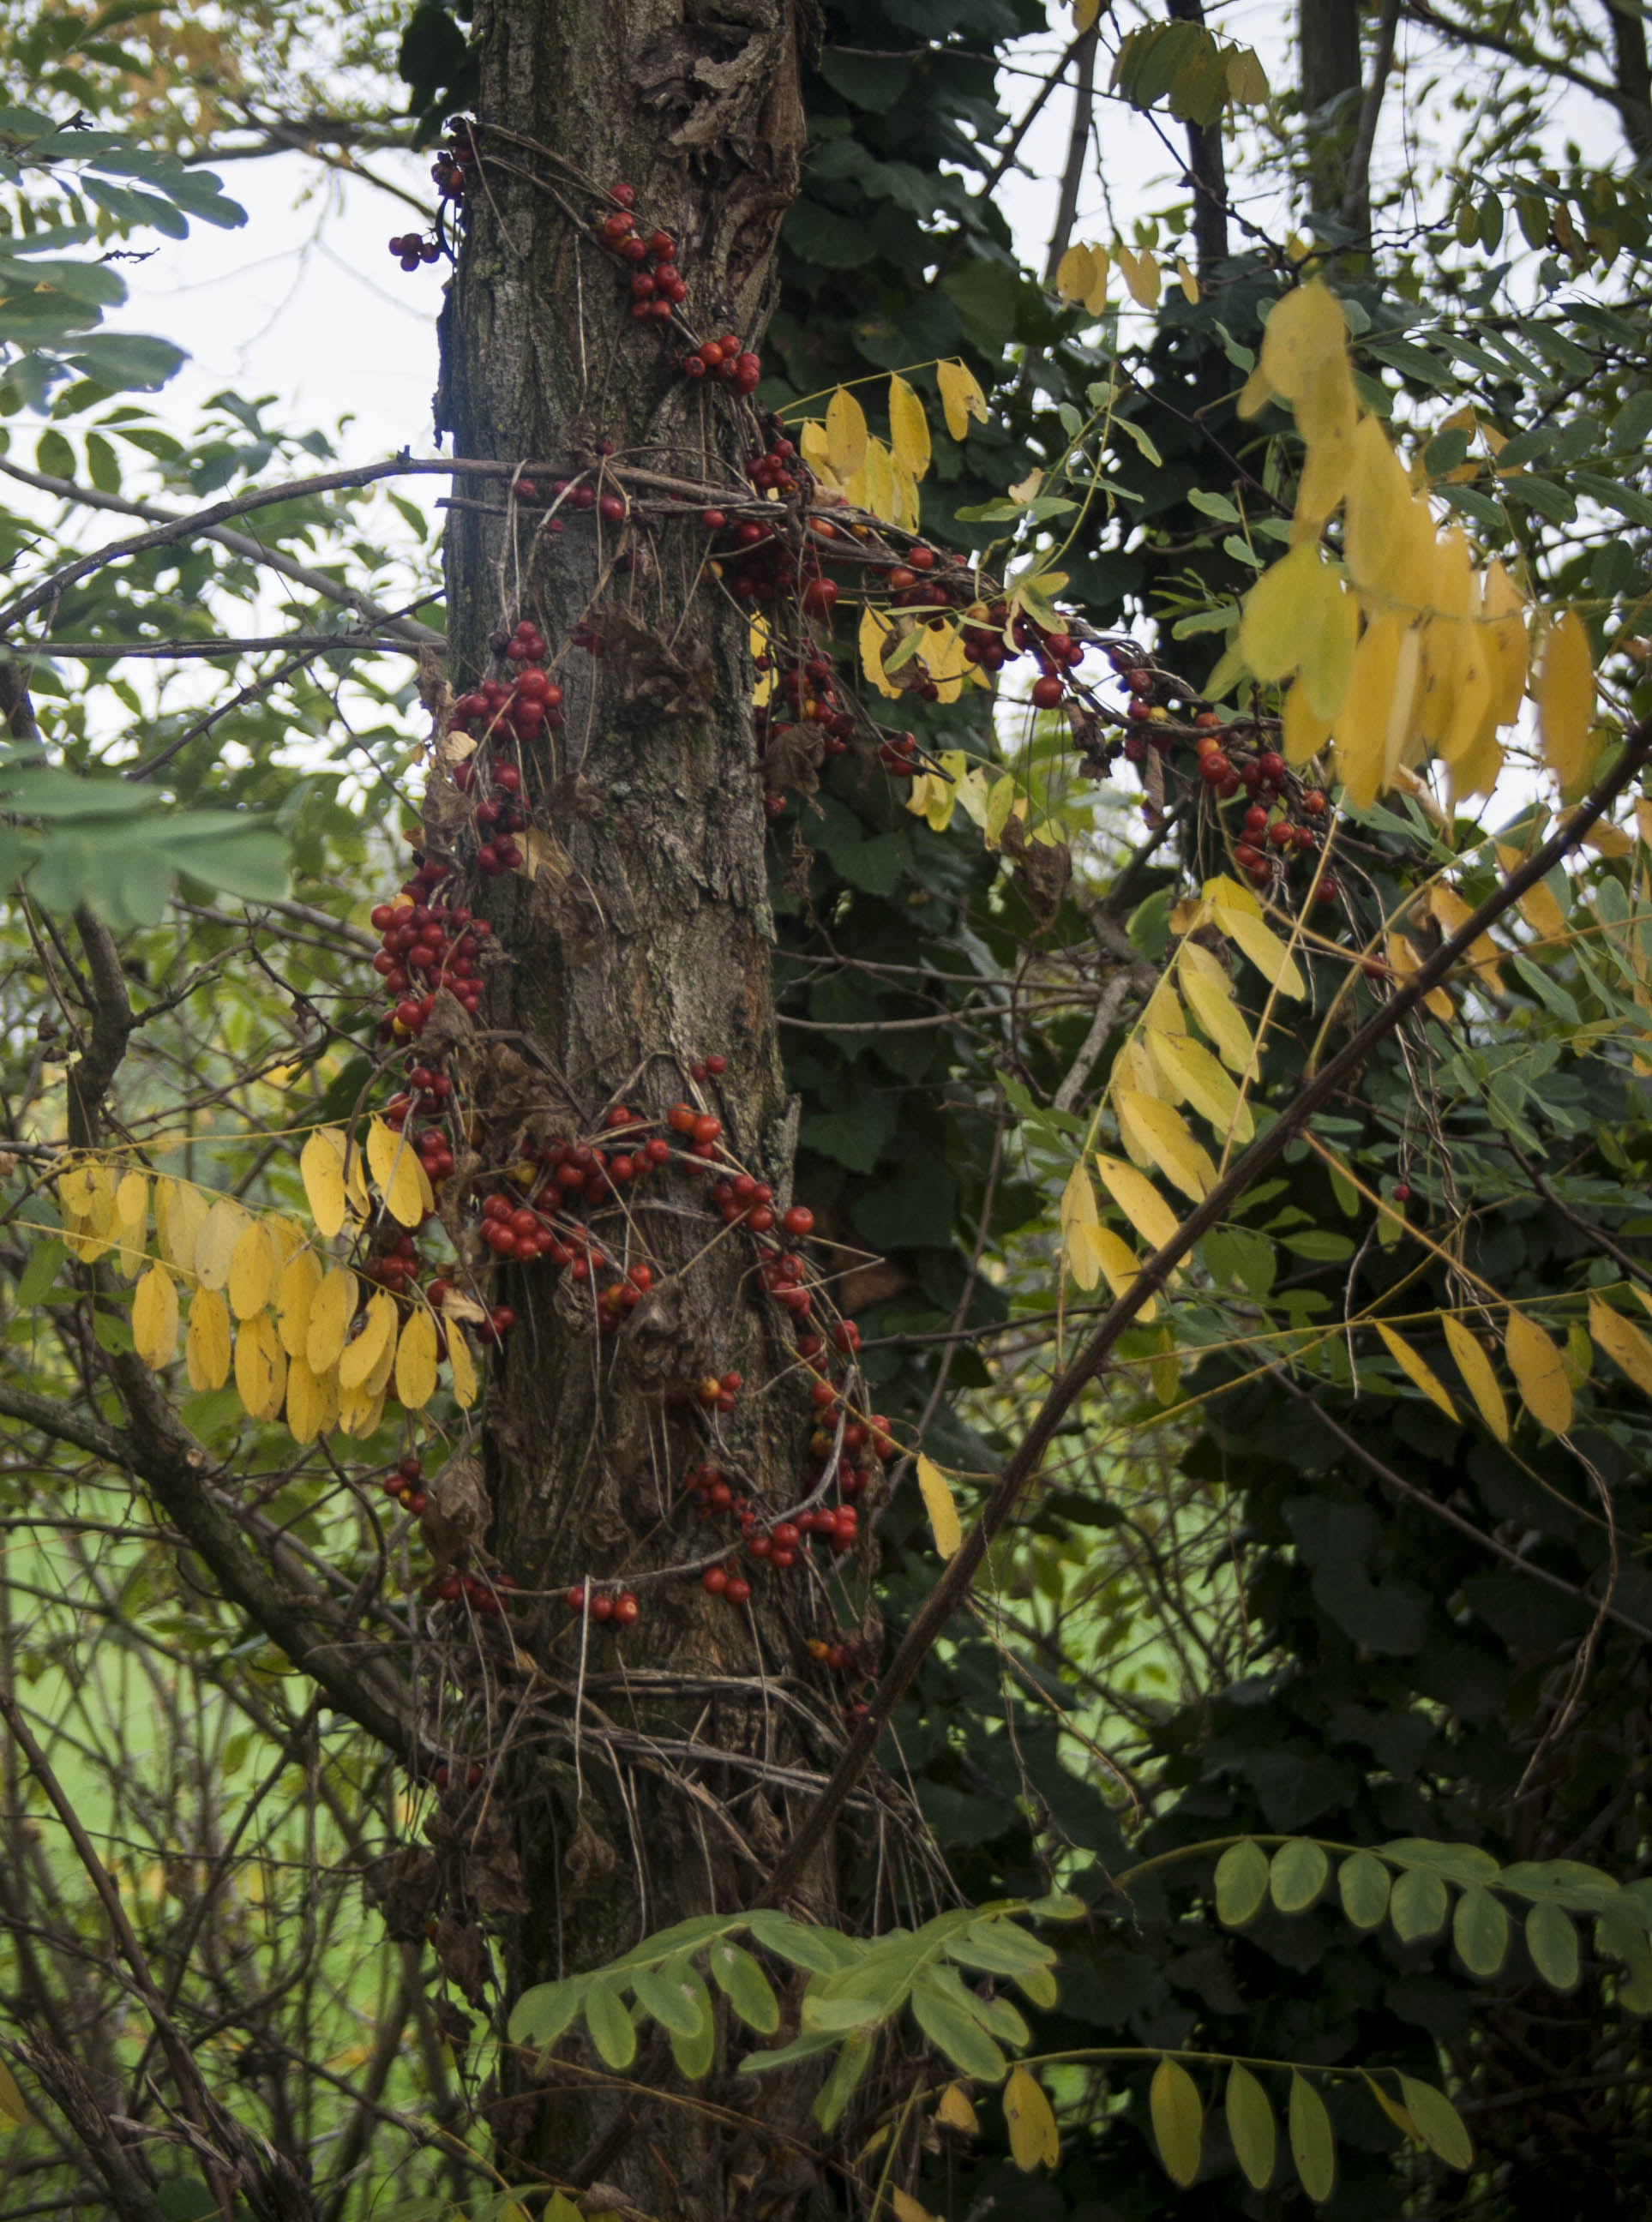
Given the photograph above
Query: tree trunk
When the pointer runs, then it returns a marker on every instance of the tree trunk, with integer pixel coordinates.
(1633, 77)
(1328, 33)
(643, 944)
(1207, 171)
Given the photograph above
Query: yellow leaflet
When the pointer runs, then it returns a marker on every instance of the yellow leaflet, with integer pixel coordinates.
(1445, 636)
(1201, 1080)
(845, 432)
(294, 1294)
(907, 2208)
(1478, 1378)
(464, 1368)
(1539, 1372)
(1162, 1011)
(931, 798)
(955, 2113)
(1134, 1068)
(360, 1412)
(1404, 961)
(225, 1225)
(132, 1206)
(1210, 999)
(961, 398)
(1079, 1227)
(1306, 334)
(360, 1359)
(1380, 514)
(154, 1318)
(321, 1163)
(1121, 1265)
(311, 1400)
(1084, 12)
(252, 1271)
(906, 490)
(1305, 733)
(1328, 665)
(1417, 1367)
(1363, 722)
(416, 1362)
(1644, 821)
(1540, 909)
(1002, 802)
(331, 1310)
(1142, 276)
(179, 1231)
(942, 656)
(1504, 633)
(396, 1169)
(1155, 1134)
(1566, 701)
(947, 1528)
(1323, 482)
(1451, 913)
(260, 1367)
(1186, 280)
(206, 1346)
(812, 442)
(1034, 2141)
(1472, 711)
(875, 481)
(1624, 1343)
(1075, 273)
(1138, 1199)
(75, 1189)
(1239, 915)
(1282, 614)
(908, 429)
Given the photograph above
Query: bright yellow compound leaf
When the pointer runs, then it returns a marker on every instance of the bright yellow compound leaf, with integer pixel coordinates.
(180, 1214)
(252, 1271)
(260, 1367)
(1306, 331)
(1566, 699)
(359, 1360)
(1403, 962)
(225, 1225)
(154, 1318)
(1539, 1371)
(395, 1167)
(908, 429)
(206, 1346)
(1075, 273)
(331, 1310)
(1417, 1367)
(1197, 1078)
(1142, 276)
(294, 1294)
(948, 1529)
(1034, 2141)
(1623, 1342)
(1138, 1199)
(1079, 1225)
(961, 398)
(1478, 1377)
(1157, 1134)
(845, 429)
(416, 1362)
(464, 1368)
(360, 1411)
(321, 1165)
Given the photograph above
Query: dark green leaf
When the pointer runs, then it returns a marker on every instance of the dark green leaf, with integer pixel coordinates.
(1296, 1874)
(1418, 1904)
(1480, 1930)
(1242, 1882)
(1362, 1882)
(1553, 1944)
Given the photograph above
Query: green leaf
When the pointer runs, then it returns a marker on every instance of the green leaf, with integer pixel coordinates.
(1480, 1930)
(1134, 431)
(692, 2050)
(44, 1264)
(788, 2056)
(1438, 2122)
(1296, 1874)
(540, 2016)
(1213, 504)
(997, 1947)
(823, 1951)
(1458, 1863)
(1250, 2125)
(126, 361)
(839, 2086)
(745, 1987)
(662, 1992)
(1553, 1944)
(1178, 2120)
(1242, 1882)
(1419, 1905)
(613, 2030)
(957, 2033)
(1362, 1883)
(1312, 2146)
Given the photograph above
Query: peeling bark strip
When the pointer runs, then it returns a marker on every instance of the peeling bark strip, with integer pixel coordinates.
(643, 943)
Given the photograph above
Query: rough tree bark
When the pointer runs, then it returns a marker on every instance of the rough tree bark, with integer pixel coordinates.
(643, 944)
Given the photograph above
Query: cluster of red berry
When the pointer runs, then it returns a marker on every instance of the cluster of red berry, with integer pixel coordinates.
(656, 291)
(450, 174)
(424, 945)
(620, 1606)
(726, 359)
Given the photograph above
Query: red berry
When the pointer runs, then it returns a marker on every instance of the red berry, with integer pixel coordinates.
(799, 1220)
(737, 1589)
(1046, 692)
(715, 1579)
(626, 1610)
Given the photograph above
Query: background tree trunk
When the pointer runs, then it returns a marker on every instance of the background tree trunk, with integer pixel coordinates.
(1328, 33)
(643, 945)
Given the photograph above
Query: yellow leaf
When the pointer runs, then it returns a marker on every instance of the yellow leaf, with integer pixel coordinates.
(1079, 1224)
(321, 1163)
(908, 429)
(252, 1271)
(222, 1230)
(1155, 1134)
(1623, 1341)
(154, 1318)
(932, 799)
(938, 1503)
(1538, 906)
(1502, 613)
(331, 1310)
(1239, 915)
(1033, 2138)
(294, 1294)
(1404, 961)
(1120, 1265)
(1539, 1371)
(13, 2107)
(1200, 1081)
(206, 1346)
(1075, 273)
(943, 658)
(180, 1214)
(907, 2208)
(1328, 661)
(416, 1362)
(360, 1359)
(1306, 330)
(1382, 520)
(464, 1368)
(846, 430)
(1372, 705)
(961, 398)
(360, 1411)
(954, 2112)
(260, 1367)
(1417, 1367)
(1210, 994)
(1478, 1378)
(1142, 276)
(1139, 1200)
(1188, 282)
(1283, 614)
(1084, 12)
(396, 1169)
(1566, 701)
(1304, 732)
(874, 632)
(1451, 913)
(132, 1206)
(311, 1400)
